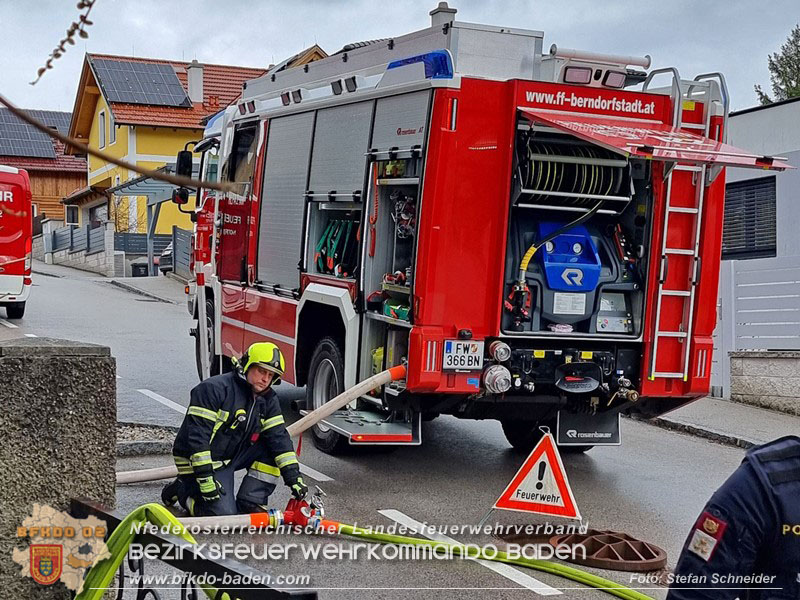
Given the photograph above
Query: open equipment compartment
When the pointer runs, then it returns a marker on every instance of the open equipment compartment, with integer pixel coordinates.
(576, 260)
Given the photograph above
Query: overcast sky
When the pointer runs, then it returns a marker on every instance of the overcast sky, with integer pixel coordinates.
(734, 37)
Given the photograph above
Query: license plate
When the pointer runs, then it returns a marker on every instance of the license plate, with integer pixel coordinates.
(462, 356)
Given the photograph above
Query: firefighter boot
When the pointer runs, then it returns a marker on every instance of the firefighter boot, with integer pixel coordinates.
(171, 493)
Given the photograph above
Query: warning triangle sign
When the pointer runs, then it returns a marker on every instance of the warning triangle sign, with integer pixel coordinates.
(541, 486)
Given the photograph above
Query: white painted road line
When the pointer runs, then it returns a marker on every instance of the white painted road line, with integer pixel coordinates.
(165, 401)
(7, 324)
(31, 335)
(314, 474)
(503, 569)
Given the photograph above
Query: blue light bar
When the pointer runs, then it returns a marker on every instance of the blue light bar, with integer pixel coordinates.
(438, 64)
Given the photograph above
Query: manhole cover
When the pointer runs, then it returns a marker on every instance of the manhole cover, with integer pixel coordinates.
(614, 550)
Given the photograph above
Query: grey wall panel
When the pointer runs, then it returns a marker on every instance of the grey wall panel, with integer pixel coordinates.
(340, 143)
(282, 199)
(401, 121)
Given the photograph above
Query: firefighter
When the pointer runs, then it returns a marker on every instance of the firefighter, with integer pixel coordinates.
(748, 535)
(234, 422)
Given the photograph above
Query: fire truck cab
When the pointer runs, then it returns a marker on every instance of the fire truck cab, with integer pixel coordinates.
(535, 240)
(16, 240)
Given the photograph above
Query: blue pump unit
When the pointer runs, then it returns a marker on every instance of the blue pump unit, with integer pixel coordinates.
(571, 262)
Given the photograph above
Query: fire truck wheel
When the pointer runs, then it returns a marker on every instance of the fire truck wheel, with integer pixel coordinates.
(325, 382)
(16, 310)
(522, 435)
(213, 358)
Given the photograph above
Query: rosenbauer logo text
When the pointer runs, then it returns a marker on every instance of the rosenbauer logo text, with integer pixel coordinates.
(597, 102)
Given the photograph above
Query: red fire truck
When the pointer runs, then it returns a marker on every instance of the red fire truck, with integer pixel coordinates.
(16, 231)
(535, 239)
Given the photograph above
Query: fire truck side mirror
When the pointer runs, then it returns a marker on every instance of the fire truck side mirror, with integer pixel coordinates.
(180, 196)
(183, 164)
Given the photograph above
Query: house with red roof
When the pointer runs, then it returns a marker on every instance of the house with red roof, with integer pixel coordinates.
(52, 172)
(144, 111)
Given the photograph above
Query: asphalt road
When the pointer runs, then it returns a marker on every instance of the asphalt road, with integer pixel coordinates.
(652, 487)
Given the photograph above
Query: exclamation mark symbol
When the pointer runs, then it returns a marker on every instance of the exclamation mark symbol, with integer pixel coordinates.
(542, 467)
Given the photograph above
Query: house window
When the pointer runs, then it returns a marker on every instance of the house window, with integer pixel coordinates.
(112, 129)
(71, 215)
(749, 230)
(101, 132)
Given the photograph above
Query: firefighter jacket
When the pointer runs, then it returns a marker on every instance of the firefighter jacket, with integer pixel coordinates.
(224, 419)
(749, 533)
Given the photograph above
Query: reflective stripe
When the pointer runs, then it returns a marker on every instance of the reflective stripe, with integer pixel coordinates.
(222, 416)
(202, 412)
(190, 505)
(184, 465)
(286, 459)
(271, 422)
(218, 464)
(265, 477)
(265, 468)
(201, 458)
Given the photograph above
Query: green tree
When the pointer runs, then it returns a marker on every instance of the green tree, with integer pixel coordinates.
(784, 69)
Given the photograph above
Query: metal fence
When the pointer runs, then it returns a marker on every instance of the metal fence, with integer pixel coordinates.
(79, 239)
(758, 309)
(181, 252)
(136, 243)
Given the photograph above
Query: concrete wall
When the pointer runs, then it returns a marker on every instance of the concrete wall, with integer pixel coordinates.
(766, 379)
(58, 442)
(38, 247)
(101, 262)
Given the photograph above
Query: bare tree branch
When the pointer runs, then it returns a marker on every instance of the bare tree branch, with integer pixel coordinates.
(78, 27)
(158, 175)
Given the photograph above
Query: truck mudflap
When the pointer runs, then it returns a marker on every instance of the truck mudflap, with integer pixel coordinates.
(584, 429)
(368, 428)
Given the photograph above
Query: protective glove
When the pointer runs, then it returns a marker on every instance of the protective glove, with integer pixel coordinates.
(209, 488)
(299, 489)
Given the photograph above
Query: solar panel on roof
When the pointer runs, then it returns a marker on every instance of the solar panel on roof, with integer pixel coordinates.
(17, 138)
(140, 83)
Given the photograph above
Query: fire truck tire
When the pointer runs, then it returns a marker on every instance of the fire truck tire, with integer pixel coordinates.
(214, 359)
(325, 382)
(524, 435)
(15, 310)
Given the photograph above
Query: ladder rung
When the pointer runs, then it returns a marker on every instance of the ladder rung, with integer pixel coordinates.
(676, 293)
(691, 168)
(682, 209)
(683, 251)
(673, 334)
(671, 375)
(693, 126)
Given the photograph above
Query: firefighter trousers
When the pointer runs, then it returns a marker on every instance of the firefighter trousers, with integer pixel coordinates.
(258, 483)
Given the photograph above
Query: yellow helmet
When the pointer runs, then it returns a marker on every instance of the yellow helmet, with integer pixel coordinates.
(266, 355)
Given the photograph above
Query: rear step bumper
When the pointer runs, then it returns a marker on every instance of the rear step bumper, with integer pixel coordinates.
(366, 428)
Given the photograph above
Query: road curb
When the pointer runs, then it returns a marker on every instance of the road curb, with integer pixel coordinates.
(46, 274)
(141, 292)
(701, 432)
(143, 448)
